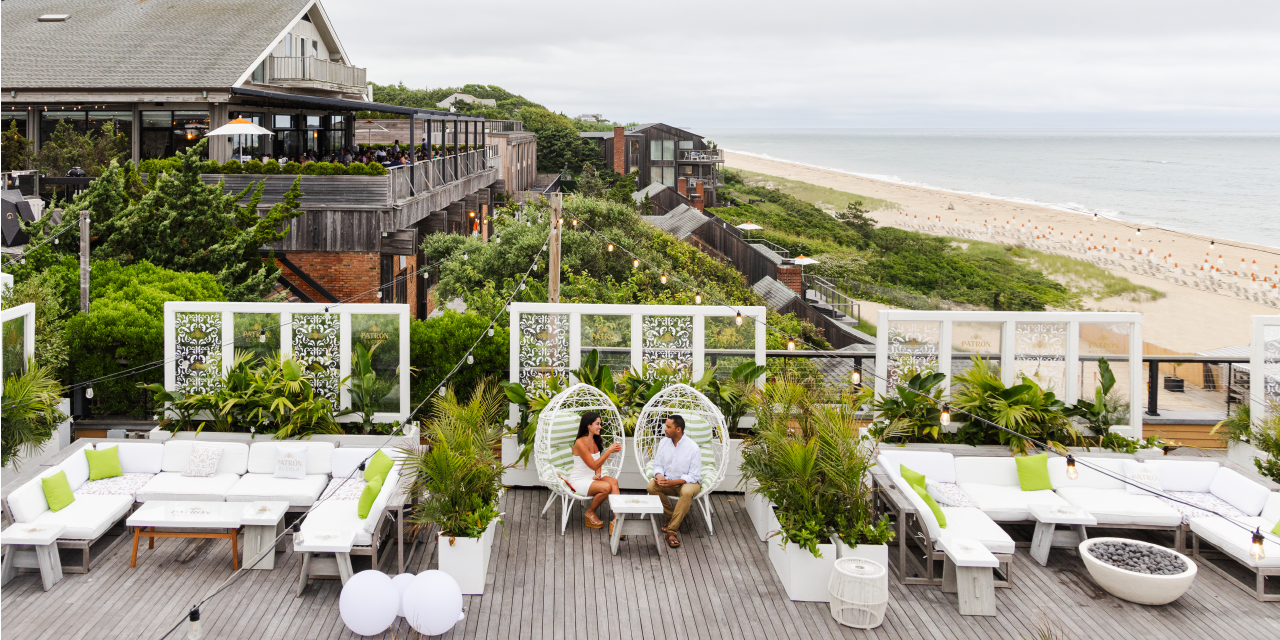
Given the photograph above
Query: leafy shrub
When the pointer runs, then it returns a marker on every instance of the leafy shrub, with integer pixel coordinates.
(376, 169)
(271, 168)
(253, 166)
(436, 344)
(232, 166)
(291, 168)
(357, 169)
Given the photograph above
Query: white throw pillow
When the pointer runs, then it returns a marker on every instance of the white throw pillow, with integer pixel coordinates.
(203, 461)
(1144, 474)
(291, 461)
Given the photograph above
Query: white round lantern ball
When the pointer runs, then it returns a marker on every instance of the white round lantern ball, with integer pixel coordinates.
(433, 603)
(402, 583)
(368, 603)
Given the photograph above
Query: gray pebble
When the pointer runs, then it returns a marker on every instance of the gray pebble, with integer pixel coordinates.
(1138, 558)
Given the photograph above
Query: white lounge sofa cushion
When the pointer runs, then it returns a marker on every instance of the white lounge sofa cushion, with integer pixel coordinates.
(1235, 541)
(172, 485)
(1186, 475)
(235, 456)
(347, 459)
(342, 515)
(1000, 472)
(126, 485)
(1203, 503)
(27, 502)
(935, 465)
(262, 457)
(1271, 512)
(1088, 478)
(137, 457)
(1117, 506)
(967, 522)
(1143, 474)
(262, 486)
(87, 517)
(1243, 493)
(76, 467)
(1008, 504)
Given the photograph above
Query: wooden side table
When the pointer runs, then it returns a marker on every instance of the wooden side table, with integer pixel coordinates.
(42, 554)
(967, 572)
(1047, 518)
(263, 523)
(310, 543)
(622, 505)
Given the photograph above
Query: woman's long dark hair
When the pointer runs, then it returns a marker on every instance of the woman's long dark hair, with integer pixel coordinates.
(587, 419)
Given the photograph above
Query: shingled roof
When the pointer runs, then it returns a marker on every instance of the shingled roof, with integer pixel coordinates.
(680, 222)
(132, 43)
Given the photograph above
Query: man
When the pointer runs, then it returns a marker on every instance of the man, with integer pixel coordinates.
(677, 471)
(396, 147)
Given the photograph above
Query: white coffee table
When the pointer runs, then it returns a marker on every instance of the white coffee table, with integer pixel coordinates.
(312, 542)
(1047, 518)
(209, 519)
(622, 505)
(43, 554)
(263, 523)
(967, 572)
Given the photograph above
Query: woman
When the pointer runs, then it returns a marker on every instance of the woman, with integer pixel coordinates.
(589, 456)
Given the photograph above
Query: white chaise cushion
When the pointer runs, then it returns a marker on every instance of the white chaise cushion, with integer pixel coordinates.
(137, 457)
(949, 494)
(1088, 478)
(1008, 504)
(967, 522)
(1117, 506)
(1186, 475)
(1200, 505)
(76, 467)
(262, 456)
(87, 517)
(1235, 540)
(935, 465)
(261, 486)
(1271, 512)
(1243, 493)
(1001, 472)
(235, 456)
(172, 485)
(342, 515)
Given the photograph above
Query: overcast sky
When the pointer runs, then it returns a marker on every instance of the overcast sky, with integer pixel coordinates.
(805, 63)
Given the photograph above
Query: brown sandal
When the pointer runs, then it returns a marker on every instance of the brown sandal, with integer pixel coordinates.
(594, 525)
(673, 540)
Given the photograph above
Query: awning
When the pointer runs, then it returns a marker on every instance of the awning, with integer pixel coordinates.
(352, 105)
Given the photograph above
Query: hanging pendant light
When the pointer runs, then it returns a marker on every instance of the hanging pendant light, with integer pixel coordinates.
(738, 320)
(262, 335)
(635, 264)
(697, 298)
(945, 417)
(662, 278)
(610, 247)
(88, 390)
(1256, 550)
(856, 376)
(490, 332)
(1072, 474)
(471, 359)
(791, 345)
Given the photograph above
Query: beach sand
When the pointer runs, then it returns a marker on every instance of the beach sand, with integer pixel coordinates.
(1184, 320)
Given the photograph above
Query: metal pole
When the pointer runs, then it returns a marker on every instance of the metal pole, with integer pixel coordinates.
(84, 261)
(1153, 387)
(553, 262)
(413, 154)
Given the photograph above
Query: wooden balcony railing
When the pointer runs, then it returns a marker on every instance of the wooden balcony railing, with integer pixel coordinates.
(504, 125)
(313, 70)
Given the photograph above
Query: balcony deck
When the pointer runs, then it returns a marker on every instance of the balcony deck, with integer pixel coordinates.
(542, 585)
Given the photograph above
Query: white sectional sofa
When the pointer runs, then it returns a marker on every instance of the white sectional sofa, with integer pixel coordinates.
(341, 498)
(1107, 499)
(260, 483)
(1233, 542)
(993, 484)
(140, 462)
(86, 519)
(170, 484)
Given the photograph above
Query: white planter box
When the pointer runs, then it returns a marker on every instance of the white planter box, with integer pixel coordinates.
(878, 553)
(409, 437)
(760, 510)
(805, 578)
(1243, 453)
(467, 559)
(525, 475)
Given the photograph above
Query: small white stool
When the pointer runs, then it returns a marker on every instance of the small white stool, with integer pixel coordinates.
(621, 505)
(263, 523)
(43, 554)
(336, 542)
(859, 592)
(967, 572)
(1047, 518)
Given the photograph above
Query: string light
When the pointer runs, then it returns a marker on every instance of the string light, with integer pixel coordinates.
(1256, 550)
(738, 320)
(697, 298)
(662, 278)
(194, 632)
(945, 418)
(1072, 474)
(610, 247)
(575, 222)
(635, 264)
(791, 345)
(856, 376)
(88, 390)
(262, 335)
(470, 359)
(441, 389)
(490, 332)
(464, 256)
(379, 294)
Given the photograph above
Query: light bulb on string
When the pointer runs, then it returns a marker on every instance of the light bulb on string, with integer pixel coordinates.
(1072, 474)
(262, 335)
(610, 247)
(856, 376)
(1256, 550)
(738, 320)
(575, 222)
(464, 256)
(490, 332)
(88, 390)
(945, 417)
(697, 298)
(791, 345)
(662, 278)
(441, 389)
(194, 632)
(635, 264)
(379, 294)
(471, 359)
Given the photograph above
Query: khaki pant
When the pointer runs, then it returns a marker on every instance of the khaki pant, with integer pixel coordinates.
(686, 492)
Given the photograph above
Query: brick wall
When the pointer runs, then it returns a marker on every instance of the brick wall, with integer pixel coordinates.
(343, 274)
(682, 187)
(701, 201)
(620, 149)
(792, 277)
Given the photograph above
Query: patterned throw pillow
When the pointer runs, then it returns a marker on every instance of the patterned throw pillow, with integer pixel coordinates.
(203, 461)
(291, 461)
(950, 494)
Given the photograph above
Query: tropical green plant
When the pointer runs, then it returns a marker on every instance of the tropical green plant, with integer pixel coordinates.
(1024, 408)
(1106, 409)
(28, 411)
(735, 396)
(46, 292)
(456, 477)
(845, 460)
(364, 388)
(913, 410)
(529, 405)
(1238, 425)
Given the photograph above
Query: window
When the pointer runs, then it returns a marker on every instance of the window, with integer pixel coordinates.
(259, 72)
(121, 122)
(49, 122)
(655, 149)
(157, 127)
(686, 144)
(663, 175)
(315, 49)
(288, 45)
(16, 117)
(189, 128)
(281, 121)
(245, 148)
(313, 122)
(662, 150)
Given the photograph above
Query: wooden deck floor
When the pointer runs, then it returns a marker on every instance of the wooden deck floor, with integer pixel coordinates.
(543, 586)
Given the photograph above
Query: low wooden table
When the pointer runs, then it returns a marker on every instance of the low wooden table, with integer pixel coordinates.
(622, 505)
(336, 542)
(43, 553)
(209, 519)
(967, 572)
(263, 523)
(1047, 518)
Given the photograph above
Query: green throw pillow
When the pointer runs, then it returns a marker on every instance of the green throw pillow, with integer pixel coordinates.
(370, 493)
(57, 491)
(917, 483)
(1276, 529)
(103, 464)
(379, 466)
(1033, 472)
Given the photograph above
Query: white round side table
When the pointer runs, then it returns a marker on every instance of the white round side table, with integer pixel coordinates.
(859, 592)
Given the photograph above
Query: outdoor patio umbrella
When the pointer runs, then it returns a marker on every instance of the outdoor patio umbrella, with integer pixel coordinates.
(749, 226)
(240, 127)
(802, 260)
(370, 126)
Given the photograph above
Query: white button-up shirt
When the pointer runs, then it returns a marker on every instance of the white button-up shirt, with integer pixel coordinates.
(679, 461)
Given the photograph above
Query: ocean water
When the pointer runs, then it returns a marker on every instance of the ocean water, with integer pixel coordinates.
(1219, 184)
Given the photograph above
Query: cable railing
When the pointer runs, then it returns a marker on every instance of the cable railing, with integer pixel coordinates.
(827, 293)
(409, 181)
(768, 245)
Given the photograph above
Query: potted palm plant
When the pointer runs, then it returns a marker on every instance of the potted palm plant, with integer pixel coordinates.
(32, 413)
(457, 481)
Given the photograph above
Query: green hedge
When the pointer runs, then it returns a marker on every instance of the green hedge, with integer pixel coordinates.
(257, 167)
